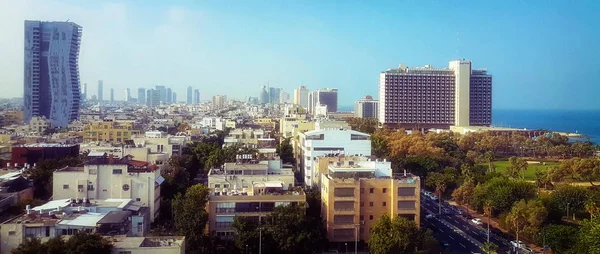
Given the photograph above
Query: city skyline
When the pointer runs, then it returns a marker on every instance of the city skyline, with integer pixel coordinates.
(549, 49)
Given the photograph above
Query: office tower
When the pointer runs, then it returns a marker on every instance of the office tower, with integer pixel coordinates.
(127, 94)
(218, 101)
(174, 98)
(100, 91)
(162, 93)
(84, 92)
(51, 71)
(283, 97)
(196, 96)
(274, 93)
(324, 96)
(189, 95)
(263, 96)
(112, 96)
(152, 98)
(141, 96)
(301, 96)
(169, 98)
(366, 107)
(435, 97)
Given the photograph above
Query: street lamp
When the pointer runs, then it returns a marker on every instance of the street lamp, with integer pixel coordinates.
(346, 247)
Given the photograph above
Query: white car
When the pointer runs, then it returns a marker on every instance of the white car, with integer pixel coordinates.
(429, 216)
(519, 245)
(477, 221)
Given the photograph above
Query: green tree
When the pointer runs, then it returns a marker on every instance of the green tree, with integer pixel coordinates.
(501, 193)
(570, 198)
(489, 248)
(294, 232)
(41, 174)
(589, 236)
(462, 194)
(30, 245)
(83, 242)
(516, 167)
(398, 235)
(560, 238)
(526, 218)
(439, 181)
(489, 158)
(191, 216)
(285, 151)
(247, 234)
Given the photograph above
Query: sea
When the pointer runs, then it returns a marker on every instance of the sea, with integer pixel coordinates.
(586, 122)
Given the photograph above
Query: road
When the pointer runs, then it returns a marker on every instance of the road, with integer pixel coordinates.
(462, 235)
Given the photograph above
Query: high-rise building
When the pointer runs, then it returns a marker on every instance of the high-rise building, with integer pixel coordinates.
(284, 97)
(324, 96)
(152, 98)
(218, 101)
(190, 95)
(174, 98)
(301, 96)
(127, 94)
(141, 96)
(274, 93)
(100, 91)
(366, 107)
(196, 96)
(169, 95)
(435, 97)
(84, 92)
(264, 95)
(162, 94)
(51, 71)
(112, 96)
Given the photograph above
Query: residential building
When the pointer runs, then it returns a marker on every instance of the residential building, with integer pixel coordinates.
(435, 97)
(51, 71)
(326, 141)
(366, 107)
(214, 123)
(104, 177)
(141, 99)
(189, 95)
(218, 101)
(39, 124)
(356, 194)
(252, 138)
(250, 189)
(196, 96)
(14, 188)
(28, 155)
(10, 117)
(100, 91)
(301, 96)
(148, 245)
(109, 131)
(160, 142)
(66, 217)
(324, 96)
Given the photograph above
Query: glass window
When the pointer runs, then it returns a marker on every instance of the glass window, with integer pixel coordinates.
(117, 171)
(65, 186)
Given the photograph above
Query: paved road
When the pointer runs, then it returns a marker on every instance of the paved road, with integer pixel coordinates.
(466, 236)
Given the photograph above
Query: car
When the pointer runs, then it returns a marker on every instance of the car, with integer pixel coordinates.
(527, 250)
(484, 233)
(433, 197)
(514, 243)
(429, 216)
(445, 244)
(477, 221)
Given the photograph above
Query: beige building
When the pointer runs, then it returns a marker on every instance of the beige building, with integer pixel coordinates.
(39, 124)
(10, 117)
(355, 196)
(104, 177)
(109, 131)
(148, 245)
(252, 138)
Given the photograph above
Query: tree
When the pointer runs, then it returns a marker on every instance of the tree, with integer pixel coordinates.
(489, 158)
(398, 235)
(592, 207)
(501, 193)
(570, 198)
(516, 167)
(285, 151)
(294, 232)
(462, 194)
(56, 245)
(439, 181)
(30, 245)
(589, 236)
(83, 242)
(560, 238)
(526, 218)
(489, 248)
(191, 216)
(41, 174)
(247, 234)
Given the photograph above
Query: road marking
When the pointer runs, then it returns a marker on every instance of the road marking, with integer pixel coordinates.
(441, 230)
(463, 245)
(451, 237)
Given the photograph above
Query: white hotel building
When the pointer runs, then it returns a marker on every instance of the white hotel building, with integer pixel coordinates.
(329, 141)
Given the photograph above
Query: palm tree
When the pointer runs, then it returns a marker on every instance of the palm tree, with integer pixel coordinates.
(591, 207)
(487, 210)
(489, 248)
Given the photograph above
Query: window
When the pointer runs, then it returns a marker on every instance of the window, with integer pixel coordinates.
(65, 186)
(125, 187)
(124, 252)
(138, 199)
(217, 186)
(90, 187)
(384, 204)
(362, 204)
(12, 232)
(362, 218)
(371, 190)
(370, 217)
(80, 186)
(117, 171)
(140, 227)
(362, 190)
(370, 203)
(384, 190)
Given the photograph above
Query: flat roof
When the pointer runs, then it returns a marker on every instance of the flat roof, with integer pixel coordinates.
(83, 220)
(115, 217)
(53, 205)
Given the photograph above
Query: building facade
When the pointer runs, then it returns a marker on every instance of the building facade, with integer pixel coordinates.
(100, 94)
(366, 108)
(109, 131)
(196, 96)
(141, 99)
(435, 98)
(324, 96)
(301, 96)
(29, 155)
(189, 95)
(51, 71)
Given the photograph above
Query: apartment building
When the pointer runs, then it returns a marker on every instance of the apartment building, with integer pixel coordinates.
(104, 177)
(66, 217)
(366, 107)
(39, 124)
(252, 138)
(109, 131)
(30, 154)
(435, 97)
(160, 142)
(327, 141)
(324, 96)
(355, 194)
(251, 189)
(301, 96)
(148, 245)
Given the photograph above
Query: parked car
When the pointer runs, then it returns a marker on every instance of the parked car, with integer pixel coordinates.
(514, 243)
(433, 197)
(445, 244)
(527, 250)
(429, 216)
(477, 221)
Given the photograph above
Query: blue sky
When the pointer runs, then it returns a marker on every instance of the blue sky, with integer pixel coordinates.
(542, 54)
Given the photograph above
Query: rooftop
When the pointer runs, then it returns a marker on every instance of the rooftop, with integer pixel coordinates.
(47, 145)
(147, 242)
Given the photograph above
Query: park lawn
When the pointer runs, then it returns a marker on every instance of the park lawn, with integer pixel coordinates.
(529, 173)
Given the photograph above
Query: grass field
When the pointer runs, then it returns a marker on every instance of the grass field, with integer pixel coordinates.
(529, 173)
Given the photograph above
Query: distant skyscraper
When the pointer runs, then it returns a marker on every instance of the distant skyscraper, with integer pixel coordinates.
(152, 98)
(169, 95)
(162, 93)
(324, 96)
(100, 91)
(196, 96)
(51, 77)
(112, 96)
(218, 101)
(435, 97)
(127, 94)
(301, 97)
(190, 95)
(263, 97)
(174, 98)
(366, 107)
(141, 99)
(84, 92)
(283, 97)
(274, 93)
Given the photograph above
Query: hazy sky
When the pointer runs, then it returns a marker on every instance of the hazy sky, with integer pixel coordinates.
(542, 54)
